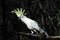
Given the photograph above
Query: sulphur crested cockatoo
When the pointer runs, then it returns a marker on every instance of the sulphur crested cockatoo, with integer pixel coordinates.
(31, 24)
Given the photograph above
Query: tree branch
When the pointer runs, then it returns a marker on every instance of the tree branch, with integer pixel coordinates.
(54, 37)
(34, 35)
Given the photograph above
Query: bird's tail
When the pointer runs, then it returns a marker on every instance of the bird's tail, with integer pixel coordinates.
(45, 33)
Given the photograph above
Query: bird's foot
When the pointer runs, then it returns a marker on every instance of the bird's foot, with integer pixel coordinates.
(32, 32)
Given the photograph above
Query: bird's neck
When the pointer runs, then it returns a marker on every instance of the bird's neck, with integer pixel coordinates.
(23, 18)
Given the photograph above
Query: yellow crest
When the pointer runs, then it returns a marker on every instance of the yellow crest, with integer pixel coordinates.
(18, 12)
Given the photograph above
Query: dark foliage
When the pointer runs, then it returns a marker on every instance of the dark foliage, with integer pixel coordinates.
(38, 10)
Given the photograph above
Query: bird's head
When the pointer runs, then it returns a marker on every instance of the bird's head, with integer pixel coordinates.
(19, 13)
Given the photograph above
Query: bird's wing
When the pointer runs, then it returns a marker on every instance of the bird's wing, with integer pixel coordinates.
(35, 25)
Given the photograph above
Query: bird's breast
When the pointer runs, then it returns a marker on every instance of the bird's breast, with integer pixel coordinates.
(27, 21)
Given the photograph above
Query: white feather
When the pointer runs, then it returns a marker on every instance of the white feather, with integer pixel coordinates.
(31, 24)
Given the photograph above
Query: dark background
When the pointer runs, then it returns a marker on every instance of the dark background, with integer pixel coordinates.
(9, 23)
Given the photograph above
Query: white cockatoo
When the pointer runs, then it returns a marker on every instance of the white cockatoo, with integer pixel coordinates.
(31, 24)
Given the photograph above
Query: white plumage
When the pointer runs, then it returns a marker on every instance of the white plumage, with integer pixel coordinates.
(31, 24)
